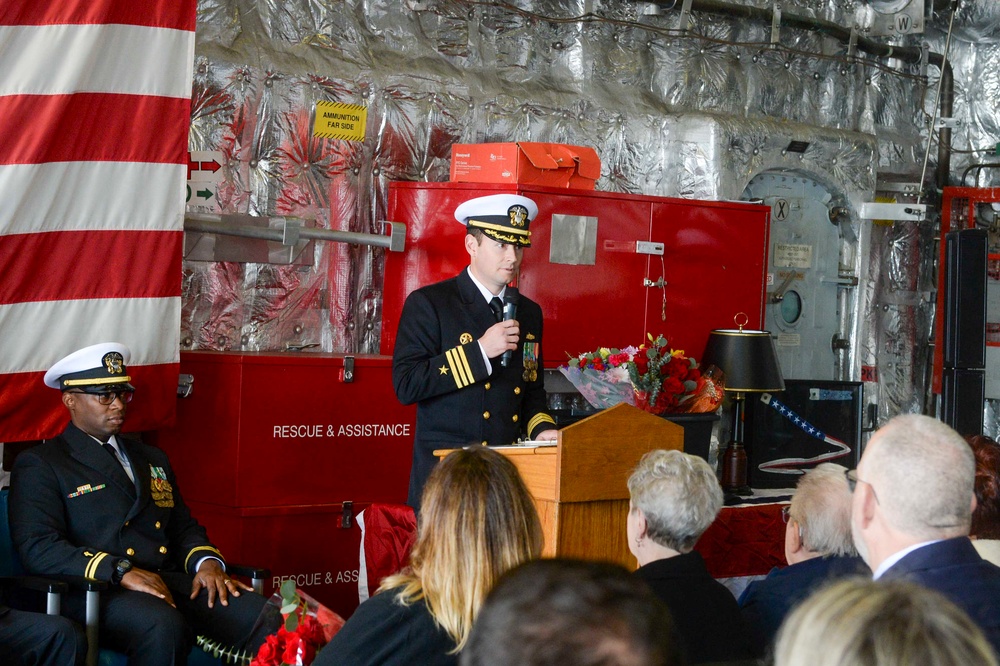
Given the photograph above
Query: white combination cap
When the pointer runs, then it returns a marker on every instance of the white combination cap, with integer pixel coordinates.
(97, 365)
(502, 217)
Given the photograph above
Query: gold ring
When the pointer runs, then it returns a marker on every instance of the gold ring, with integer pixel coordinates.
(228, 581)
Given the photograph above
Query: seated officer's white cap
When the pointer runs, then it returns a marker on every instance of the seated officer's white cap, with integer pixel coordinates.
(97, 365)
(502, 217)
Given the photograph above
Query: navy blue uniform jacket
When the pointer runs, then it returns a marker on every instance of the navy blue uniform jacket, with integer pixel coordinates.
(955, 569)
(438, 364)
(74, 511)
(766, 603)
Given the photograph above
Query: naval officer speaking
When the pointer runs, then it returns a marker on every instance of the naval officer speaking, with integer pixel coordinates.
(474, 371)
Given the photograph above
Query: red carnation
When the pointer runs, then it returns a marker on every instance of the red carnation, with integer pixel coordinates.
(269, 653)
(311, 631)
(641, 364)
(673, 386)
(291, 653)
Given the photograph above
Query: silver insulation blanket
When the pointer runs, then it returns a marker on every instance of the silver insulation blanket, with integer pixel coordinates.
(693, 114)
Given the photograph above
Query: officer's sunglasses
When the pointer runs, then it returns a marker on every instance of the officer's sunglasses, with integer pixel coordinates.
(107, 397)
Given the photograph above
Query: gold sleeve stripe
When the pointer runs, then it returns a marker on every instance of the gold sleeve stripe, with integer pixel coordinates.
(199, 549)
(91, 569)
(459, 366)
(465, 363)
(539, 419)
(455, 368)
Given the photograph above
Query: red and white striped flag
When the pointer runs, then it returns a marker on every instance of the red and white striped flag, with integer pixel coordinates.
(94, 116)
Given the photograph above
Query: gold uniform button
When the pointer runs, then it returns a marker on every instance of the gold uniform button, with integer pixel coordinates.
(487, 386)
(157, 526)
(126, 523)
(163, 550)
(486, 415)
(517, 390)
(130, 551)
(515, 418)
(485, 443)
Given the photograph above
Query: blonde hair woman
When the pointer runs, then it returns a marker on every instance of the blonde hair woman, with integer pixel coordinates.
(859, 622)
(476, 522)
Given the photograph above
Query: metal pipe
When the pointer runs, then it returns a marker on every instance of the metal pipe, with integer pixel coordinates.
(979, 166)
(228, 225)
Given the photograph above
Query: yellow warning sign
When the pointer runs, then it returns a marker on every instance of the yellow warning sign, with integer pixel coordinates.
(335, 120)
(884, 223)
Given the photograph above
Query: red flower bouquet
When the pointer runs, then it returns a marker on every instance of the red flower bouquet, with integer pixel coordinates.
(308, 626)
(652, 377)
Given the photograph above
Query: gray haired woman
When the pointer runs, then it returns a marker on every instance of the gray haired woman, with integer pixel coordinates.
(674, 498)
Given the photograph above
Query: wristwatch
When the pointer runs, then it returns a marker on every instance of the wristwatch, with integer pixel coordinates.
(122, 567)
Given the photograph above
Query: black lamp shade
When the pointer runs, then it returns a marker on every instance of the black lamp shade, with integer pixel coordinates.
(747, 357)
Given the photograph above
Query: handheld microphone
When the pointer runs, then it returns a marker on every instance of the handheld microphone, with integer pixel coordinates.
(510, 298)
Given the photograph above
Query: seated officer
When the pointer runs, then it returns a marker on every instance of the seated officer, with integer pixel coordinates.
(94, 503)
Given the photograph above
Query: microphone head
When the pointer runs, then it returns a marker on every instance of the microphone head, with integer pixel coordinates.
(511, 295)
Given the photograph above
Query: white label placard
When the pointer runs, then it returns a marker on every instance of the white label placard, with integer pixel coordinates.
(792, 255)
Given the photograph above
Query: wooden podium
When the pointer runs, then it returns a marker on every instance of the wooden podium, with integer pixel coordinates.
(580, 485)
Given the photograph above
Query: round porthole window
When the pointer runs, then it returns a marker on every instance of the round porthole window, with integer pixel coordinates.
(791, 307)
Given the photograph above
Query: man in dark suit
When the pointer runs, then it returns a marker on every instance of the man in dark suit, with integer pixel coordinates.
(818, 548)
(452, 337)
(96, 504)
(911, 512)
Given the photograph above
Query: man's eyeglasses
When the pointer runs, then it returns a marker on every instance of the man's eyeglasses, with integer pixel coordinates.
(786, 513)
(108, 397)
(853, 481)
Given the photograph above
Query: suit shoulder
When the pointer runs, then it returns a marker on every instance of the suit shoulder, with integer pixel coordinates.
(47, 450)
(526, 304)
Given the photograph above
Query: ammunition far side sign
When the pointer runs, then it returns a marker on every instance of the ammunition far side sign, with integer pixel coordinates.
(335, 120)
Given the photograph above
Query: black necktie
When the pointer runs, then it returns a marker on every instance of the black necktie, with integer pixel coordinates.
(114, 454)
(118, 463)
(497, 306)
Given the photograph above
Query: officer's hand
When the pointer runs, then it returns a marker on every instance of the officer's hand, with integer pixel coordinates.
(500, 337)
(140, 580)
(547, 436)
(216, 582)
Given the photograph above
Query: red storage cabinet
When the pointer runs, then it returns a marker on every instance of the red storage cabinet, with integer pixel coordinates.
(713, 265)
(269, 447)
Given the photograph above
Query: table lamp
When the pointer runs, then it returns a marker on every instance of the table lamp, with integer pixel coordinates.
(750, 363)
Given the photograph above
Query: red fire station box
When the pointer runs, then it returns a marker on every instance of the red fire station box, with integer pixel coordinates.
(526, 163)
(606, 268)
(277, 453)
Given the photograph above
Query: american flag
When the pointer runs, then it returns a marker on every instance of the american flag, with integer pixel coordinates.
(94, 117)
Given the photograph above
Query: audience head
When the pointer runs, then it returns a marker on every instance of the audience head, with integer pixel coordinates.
(914, 484)
(555, 612)
(819, 516)
(986, 517)
(674, 498)
(476, 521)
(858, 622)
